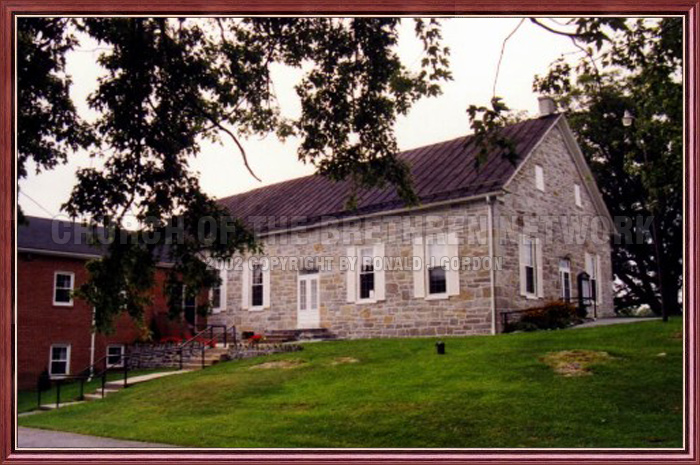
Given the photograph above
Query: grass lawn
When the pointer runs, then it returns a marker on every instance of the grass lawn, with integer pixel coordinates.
(485, 392)
(28, 400)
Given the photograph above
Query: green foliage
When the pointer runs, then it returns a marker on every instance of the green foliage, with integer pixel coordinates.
(489, 391)
(553, 315)
(639, 169)
(486, 124)
(48, 127)
(171, 84)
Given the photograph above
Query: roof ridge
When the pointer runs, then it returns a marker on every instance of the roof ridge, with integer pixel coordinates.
(401, 154)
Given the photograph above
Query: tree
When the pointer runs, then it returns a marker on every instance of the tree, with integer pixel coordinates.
(172, 83)
(632, 68)
(48, 126)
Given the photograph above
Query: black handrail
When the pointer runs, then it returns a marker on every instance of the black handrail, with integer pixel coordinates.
(92, 371)
(204, 342)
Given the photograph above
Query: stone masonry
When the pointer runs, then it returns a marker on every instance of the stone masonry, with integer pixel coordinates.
(519, 208)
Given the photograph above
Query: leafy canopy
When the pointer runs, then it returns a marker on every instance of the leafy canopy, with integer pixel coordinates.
(172, 83)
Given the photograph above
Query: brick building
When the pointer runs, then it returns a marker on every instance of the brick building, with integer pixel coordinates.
(54, 330)
(539, 222)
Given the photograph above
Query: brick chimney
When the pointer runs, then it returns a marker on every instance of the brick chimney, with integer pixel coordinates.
(547, 105)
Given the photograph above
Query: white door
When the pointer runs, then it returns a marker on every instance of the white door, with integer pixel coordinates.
(308, 302)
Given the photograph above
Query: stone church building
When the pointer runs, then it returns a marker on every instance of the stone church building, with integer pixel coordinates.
(487, 238)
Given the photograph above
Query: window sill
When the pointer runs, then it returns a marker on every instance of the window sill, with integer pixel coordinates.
(365, 301)
(437, 297)
(62, 304)
(58, 376)
(256, 309)
(532, 297)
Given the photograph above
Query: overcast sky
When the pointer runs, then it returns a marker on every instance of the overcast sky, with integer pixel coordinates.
(475, 45)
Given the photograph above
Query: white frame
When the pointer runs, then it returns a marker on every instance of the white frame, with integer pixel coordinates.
(577, 195)
(71, 289)
(222, 292)
(539, 177)
(252, 284)
(307, 279)
(533, 251)
(594, 275)
(428, 257)
(563, 270)
(51, 360)
(121, 355)
(373, 293)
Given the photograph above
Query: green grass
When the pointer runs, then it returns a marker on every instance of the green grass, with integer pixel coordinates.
(28, 400)
(485, 392)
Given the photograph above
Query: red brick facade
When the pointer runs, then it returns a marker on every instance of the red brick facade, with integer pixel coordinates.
(40, 323)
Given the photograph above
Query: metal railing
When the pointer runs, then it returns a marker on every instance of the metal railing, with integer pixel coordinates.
(87, 374)
(210, 334)
(225, 336)
(586, 302)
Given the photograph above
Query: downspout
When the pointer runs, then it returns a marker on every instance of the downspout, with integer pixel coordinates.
(489, 202)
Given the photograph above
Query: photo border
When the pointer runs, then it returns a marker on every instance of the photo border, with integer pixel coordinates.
(11, 8)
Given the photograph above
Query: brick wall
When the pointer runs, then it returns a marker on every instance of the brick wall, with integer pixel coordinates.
(41, 324)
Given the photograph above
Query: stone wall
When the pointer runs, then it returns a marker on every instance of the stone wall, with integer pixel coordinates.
(401, 313)
(565, 229)
(147, 356)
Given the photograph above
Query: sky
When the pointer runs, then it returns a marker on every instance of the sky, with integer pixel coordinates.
(475, 45)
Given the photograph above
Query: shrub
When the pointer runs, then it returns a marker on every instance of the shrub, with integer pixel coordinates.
(553, 315)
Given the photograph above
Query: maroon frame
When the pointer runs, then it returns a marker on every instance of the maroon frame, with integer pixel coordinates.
(9, 8)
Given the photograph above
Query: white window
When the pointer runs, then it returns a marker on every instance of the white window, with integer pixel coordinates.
(565, 279)
(593, 270)
(256, 288)
(217, 294)
(577, 195)
(437, 271)
(530, 275)
(531, 283)
(59, 360)
(539, 177)
(63, 283)
(115, 355)
(255, 285)
(365, 279)
(437, 278)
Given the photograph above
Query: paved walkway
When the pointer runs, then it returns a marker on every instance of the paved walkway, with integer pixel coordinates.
(33, 438)
(613, 321)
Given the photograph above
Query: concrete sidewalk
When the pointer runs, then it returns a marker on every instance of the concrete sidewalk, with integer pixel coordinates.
(35, 438)
(613, 321)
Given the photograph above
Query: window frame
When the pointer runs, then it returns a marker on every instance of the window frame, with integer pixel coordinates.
(593, 277)
(253, 284)
(577, 195)
(533, 265)
(429, 267)
(53, 375)
(539, 178)
(70, 289)
(373, 292)
(222, 292)
(122, 352)
(562, 280)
